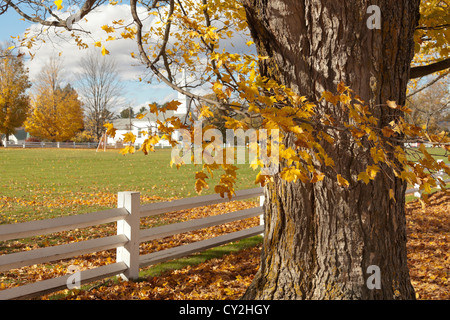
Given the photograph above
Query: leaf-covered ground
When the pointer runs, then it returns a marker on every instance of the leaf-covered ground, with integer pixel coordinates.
(429, 247)
(229, 276)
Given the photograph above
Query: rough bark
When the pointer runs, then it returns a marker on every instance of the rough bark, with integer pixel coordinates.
(320, 239)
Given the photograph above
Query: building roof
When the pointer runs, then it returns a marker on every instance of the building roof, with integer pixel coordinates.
(20, 134)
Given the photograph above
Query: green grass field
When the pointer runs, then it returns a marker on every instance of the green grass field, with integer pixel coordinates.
(44, 183)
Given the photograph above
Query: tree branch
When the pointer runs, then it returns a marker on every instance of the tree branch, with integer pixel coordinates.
(417, 72)
(429, 84)
(150, 64)
(438, 27)
(87, 7)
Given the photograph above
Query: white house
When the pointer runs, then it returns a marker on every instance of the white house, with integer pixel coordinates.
(17, 138)
(137, 126)
(148, 124)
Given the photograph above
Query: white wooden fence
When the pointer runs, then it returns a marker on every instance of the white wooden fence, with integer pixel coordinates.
(71, 145)
(129, 235)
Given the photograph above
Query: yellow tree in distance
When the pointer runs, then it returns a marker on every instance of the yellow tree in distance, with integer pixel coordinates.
(14, 101)
(55, 115)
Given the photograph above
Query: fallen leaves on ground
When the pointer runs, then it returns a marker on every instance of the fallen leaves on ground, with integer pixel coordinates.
(429, 247)
(216, 279)
(229, 276)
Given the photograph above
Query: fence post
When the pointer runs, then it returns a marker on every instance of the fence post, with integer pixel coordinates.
(261, 217)
(129, 227)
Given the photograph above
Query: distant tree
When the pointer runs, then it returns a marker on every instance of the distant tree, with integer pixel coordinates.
(50, 77)
(127, 113)
(143, 109)
(14, 101)
(431, 106)
(100, 90)
(56, 115)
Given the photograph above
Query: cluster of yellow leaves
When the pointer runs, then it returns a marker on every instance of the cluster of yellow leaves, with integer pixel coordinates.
(14, 102)
(433, 34)
(383, 147)
(164, 127)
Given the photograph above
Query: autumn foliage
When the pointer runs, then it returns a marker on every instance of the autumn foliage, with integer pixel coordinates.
(56, 115)
(14, 101)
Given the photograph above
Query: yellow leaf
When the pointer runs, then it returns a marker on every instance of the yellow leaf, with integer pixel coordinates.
(330, 97)
(391, 194)
(104, 51)
(317, 177)
(154, 108)
(261, 179)
(206, 113)
(372, 171)
(140, 116)
(427, 187)
(217, 86)
(172, 105)
(107, 28)
(364, 176)
(110, 130)
(127, 149)
(342, 182)
(328, 161)
(392, 104)
(12, 47)
(58, 4)
(129, 137)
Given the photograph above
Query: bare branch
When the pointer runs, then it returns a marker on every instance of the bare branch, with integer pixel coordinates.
(87, 7)
(429, 84)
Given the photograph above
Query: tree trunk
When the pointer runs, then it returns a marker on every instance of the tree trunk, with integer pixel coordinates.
(320, 239)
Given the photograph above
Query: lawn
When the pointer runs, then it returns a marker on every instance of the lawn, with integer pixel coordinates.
(44, 183)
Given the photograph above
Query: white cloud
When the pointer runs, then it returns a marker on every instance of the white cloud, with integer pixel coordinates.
(130, 69)
(60, 43)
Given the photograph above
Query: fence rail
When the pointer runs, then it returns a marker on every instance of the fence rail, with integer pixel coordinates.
(127, 215)
(67, 145)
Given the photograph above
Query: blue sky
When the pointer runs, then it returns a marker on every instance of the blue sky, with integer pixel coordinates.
(135, 93)
(10, 25)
